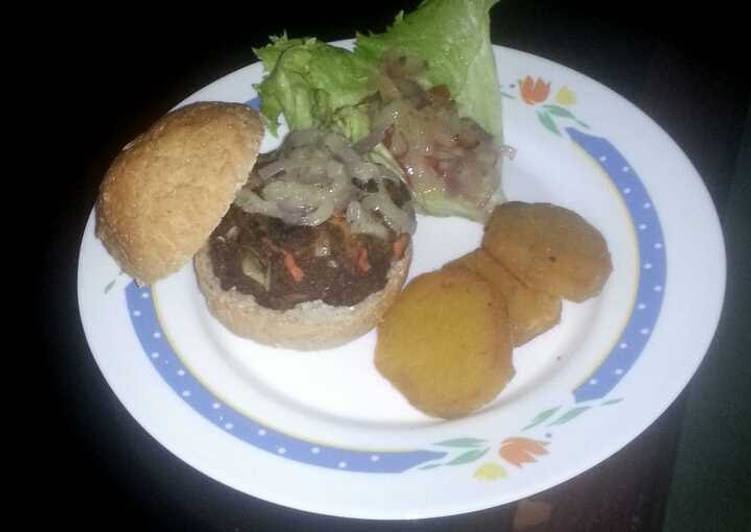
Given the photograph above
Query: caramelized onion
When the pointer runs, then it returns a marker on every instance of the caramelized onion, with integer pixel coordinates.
(302, 137)
(271, 169)
(341, 149)
(373, 139)
(310, 178)
(363, 222)
(449, 161)
(304, 195)
(250, 202)
(322, 213)
(395, 218)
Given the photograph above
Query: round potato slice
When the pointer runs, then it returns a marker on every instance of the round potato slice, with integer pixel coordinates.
(549, 248)
(446, 343)
(531, 312)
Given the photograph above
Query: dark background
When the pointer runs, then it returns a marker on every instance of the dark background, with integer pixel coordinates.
(108, 74)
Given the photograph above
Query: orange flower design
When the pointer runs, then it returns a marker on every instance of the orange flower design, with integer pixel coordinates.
(520, 451)
(534, 91)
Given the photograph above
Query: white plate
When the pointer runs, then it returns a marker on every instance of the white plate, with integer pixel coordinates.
(324, 432)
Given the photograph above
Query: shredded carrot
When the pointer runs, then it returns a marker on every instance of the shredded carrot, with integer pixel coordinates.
(288, 259)
(339, 221)
(362, 264)
(292, 268)
(399, 245)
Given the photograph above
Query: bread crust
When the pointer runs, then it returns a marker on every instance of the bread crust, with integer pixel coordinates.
(308, 326)
(169, 188)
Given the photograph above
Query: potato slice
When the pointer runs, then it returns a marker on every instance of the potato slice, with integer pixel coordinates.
(446, 343)
(532, 312)
(549, 248)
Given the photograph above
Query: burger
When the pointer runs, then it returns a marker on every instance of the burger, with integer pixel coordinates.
(303, 247)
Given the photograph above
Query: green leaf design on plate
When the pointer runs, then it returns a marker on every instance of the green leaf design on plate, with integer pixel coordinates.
(557, 110)
(109, 286)
(582, 124)
(542, 416)
(568, 416)
(548, 122)
(611, 402)
(461, 442)
(469, 456)
(430, 466)
(507, 95)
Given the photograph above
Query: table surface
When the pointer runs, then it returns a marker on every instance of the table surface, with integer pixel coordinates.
(115, 73)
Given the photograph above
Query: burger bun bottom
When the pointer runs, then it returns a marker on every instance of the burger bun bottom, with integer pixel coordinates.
(308, 326)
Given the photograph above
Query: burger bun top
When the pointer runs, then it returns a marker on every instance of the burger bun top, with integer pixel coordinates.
(170, 187)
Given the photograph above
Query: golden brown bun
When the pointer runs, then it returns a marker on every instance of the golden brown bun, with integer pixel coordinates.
(169, 188)
(308, 326)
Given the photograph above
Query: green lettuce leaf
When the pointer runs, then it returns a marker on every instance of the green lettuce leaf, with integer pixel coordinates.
(454, 38)
(314, 85)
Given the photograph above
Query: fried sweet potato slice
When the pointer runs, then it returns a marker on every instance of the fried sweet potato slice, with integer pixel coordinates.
(532, 312)
(446, 343)
(549, 248)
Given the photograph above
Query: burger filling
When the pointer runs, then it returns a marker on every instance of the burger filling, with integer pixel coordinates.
(449, 162)
(315, 221)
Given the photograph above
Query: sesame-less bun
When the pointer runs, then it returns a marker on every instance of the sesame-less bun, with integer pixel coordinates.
(170, 187)
(307, 326)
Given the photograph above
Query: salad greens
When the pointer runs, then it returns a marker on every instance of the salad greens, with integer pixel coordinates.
(316, 85)
(454, 39)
